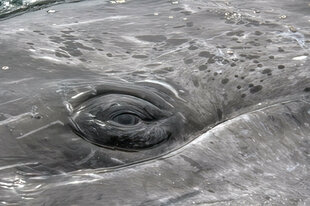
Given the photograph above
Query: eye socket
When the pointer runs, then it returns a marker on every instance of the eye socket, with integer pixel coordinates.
(126, 119)
(124, 122)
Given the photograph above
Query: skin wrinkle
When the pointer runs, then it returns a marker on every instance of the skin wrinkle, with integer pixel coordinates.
(225, 64)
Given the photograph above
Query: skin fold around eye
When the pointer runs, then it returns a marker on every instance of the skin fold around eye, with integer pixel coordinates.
(124, 122)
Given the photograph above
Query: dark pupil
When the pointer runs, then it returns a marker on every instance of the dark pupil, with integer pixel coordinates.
(126, 119)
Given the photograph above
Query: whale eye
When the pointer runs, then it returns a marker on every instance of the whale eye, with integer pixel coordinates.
(126, 119)
(124, 122)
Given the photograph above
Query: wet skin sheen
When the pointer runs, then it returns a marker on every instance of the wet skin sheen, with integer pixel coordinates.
(156, 103)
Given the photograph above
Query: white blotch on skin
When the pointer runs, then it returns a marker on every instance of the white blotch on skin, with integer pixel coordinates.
(300, 58)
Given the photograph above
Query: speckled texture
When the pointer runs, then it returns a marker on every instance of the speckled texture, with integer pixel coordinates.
(239, 75)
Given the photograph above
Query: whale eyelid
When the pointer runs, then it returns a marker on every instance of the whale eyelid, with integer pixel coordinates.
(165, 85)
(144, 93)
(79, 94)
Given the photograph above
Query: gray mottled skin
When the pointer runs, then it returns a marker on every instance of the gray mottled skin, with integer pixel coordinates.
(242, 72)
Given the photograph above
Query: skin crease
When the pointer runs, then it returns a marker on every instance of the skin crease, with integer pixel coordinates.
(232, 78)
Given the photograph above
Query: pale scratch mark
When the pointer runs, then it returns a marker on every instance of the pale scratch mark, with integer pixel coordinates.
(41, 128)
(79, 94)
(90, 155)
(17, 165)
(15, 118)
(11, 101)
(92, 21)
(134, 40)
(18, 81)
(49, 58)
(117, 160)
(166, 85)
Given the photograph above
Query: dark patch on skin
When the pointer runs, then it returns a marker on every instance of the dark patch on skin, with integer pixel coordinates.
(195, 81)
(205, 54)
(176, 9)
(253, 43)
(215, 73)
(189, 24)
(188, 61)
(243, 95)
(2, 117)
(250, 56)
(164, 70)
(152, 38)
(258, 171)
(266, 71)
(67, 32)
(259, 65)
(221, 46)
(256, 88)
(73, 48)
(177, 27)
(83, 60)
(56, 39)
(258, 33)
(29, 43)
(69, 37)
(192, 162)
(177, 42)
(251, 85)
(109, 55)
(235, 59)
(235, 39)
(233, 65)
(152, 65)
(96, 40)
(225, 81)
(136, 73)
(219, 114)
(280, 49)
(214, 59)
(235, 33)
(139, 56)
(238, 87)
(211, 61)
(79, 45)
(186, 12)
(192, 47)
(171, 201)
(307, 89)
(271, 57)
(236, 75)
(281, 66)
(202, 67)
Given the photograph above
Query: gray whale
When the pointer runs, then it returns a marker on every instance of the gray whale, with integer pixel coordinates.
(216, 103)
